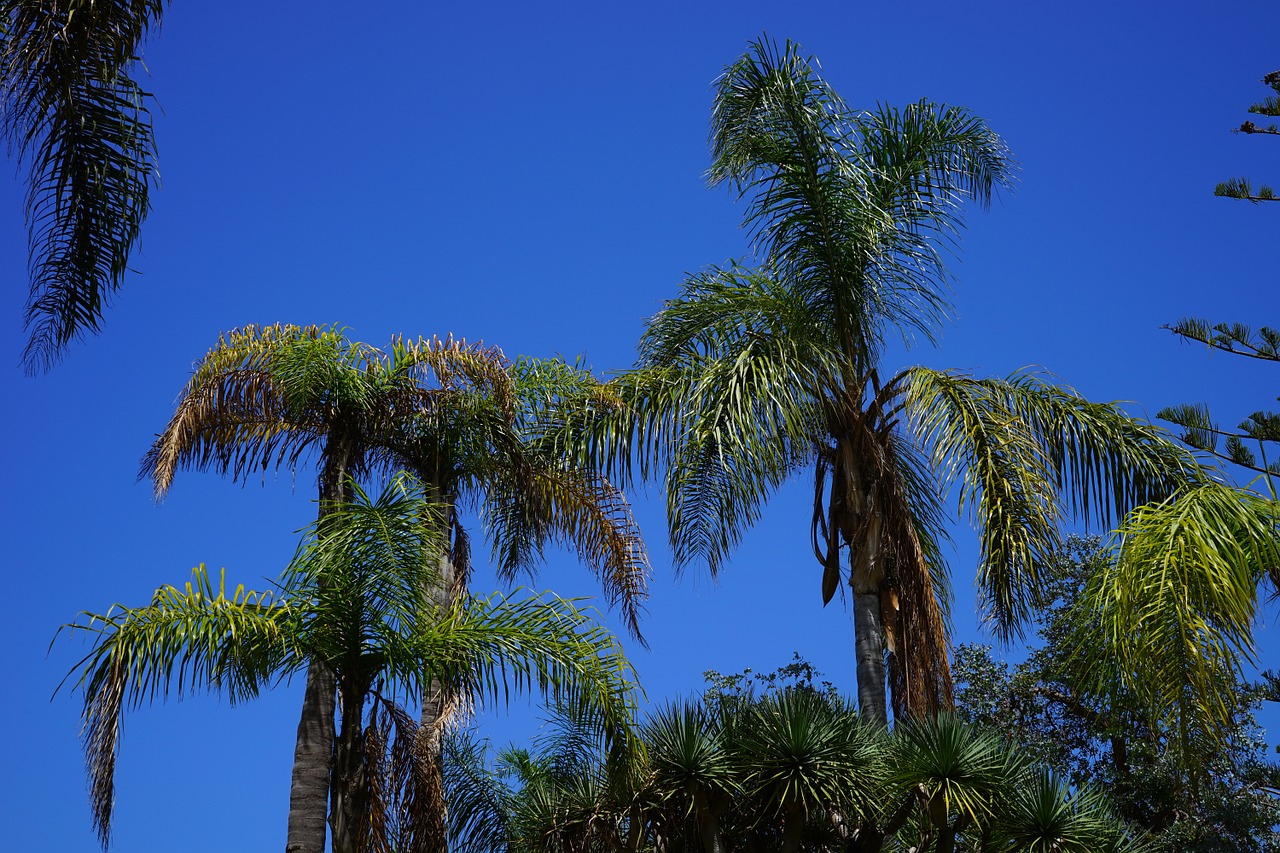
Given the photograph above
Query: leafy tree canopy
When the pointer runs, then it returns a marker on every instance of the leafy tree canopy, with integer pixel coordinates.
(1225, 799)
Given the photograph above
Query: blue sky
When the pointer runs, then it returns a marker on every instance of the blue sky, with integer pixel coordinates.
(532, 175)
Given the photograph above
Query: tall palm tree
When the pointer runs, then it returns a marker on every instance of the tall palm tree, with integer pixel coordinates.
(352, 599)
(458, 415)
(755, 373)
(72, 108)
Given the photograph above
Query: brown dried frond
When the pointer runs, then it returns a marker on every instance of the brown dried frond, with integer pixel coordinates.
(456, 365)
(101, 734)
(235, 416)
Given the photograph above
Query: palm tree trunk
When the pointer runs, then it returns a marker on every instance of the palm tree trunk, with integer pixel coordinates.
(309, 791)
(349, 806)
(708, 825)
(868, 631)
(861, 522)
(313, 751)
(793, 832)
(436, 705)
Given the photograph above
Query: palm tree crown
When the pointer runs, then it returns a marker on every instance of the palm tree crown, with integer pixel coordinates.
(459, 416)
(756, 372)
(352, 600)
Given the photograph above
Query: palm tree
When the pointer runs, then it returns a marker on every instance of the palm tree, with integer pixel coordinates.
(1169, 619)
(351, 599)
(753, 374)
(793, 769)
(459, 416)
(72, 108)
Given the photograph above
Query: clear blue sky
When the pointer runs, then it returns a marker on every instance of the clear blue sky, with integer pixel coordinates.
(532, 175)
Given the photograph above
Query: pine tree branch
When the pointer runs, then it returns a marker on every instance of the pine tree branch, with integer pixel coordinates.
(1199, 331)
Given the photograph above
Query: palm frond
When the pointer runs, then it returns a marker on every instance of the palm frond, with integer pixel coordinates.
(364, 569)
(848, 206)
(496, 645)
(261, 398)
(1176, 607)
(719, 307)
(1105, 462)
(72, 108)
(960, 771)
(781, 135)
(807, 753)
(749, 424)
(553, 502)
(1004, 482)
(479, 800)
(455, 365)
(1044, 815)
(688, 756)
(748, 373)
(188, 639)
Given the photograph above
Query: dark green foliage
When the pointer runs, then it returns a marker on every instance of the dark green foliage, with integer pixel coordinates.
(1269, 106)
(1224, 800)
(776, 762)
(72, 109)
(1260, 430)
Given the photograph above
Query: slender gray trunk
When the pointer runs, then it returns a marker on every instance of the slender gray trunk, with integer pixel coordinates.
(313, 751)
(869, 646)
(309, 790)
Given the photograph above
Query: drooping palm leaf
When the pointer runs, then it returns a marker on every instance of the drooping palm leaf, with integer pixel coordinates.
(496, 645)
(187, 640)
(1176, 607)
(977, 442)
(73, 110)
(479, 801)
(1024, 452)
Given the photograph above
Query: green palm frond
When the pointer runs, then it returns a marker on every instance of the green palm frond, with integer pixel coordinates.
(480, 802)
(807, 752)
(187, 640)
(73, 110)
(1044, 815)
(1024, 452)
(496, 645)
(926, 158)
(845, 204)
(1176, 607)
(747, 397)
(718, 308)
(730, 460)
(781, 135)
(688, 756)
(1004, 482)
(575, 508)
(262, 397)
(364, 569)
(1105, 462)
